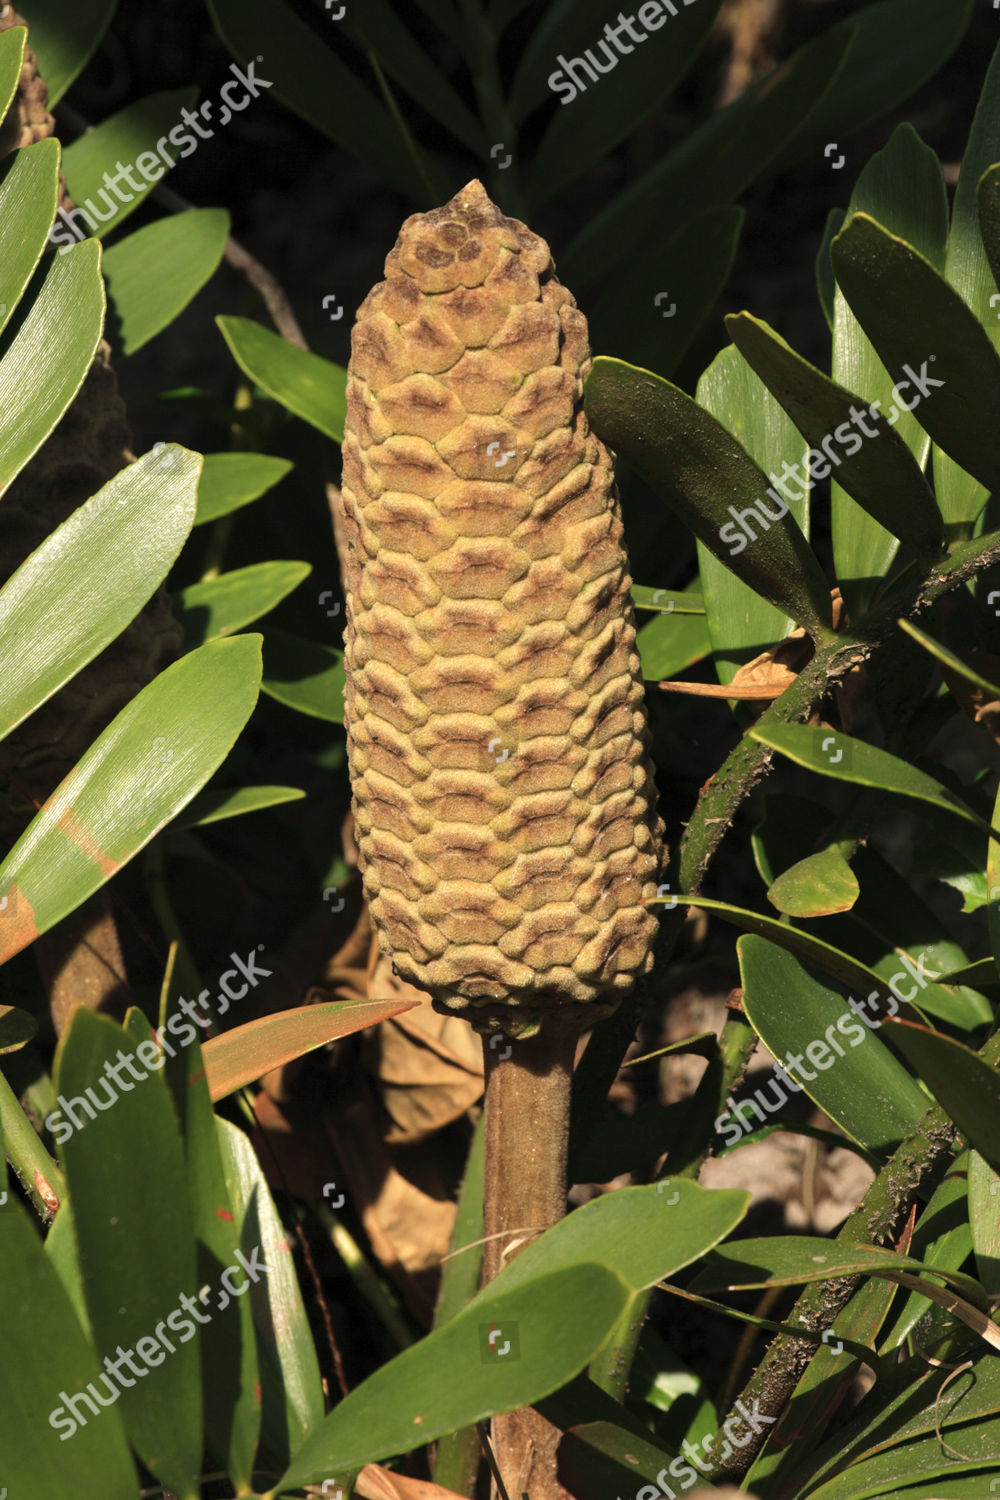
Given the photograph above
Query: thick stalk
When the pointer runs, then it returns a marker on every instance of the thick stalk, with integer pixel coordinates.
(527, 1139)
(750, 761)
(876, 1217)
(38, 1173)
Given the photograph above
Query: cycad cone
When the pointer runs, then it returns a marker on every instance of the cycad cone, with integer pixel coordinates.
(503, 792)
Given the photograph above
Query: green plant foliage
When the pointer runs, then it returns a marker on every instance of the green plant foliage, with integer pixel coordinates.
(134, 1249)
(562, 1319)
(310, 387)
(871, 1096)
(231, 480)
(869, 609)
(624, 404)
(175, 257)
(53, 346)
(303, 675)
(225, 604)
(126, 137)
(143, 769)
(60, 597)
(37, 1319)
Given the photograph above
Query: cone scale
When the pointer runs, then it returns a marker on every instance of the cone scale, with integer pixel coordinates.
(502, 788)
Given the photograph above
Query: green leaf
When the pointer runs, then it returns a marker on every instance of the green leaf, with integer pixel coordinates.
(456, 1462)
(136, 1249)
(377, 30)
(712, 165)
(229, 1367)
(225, 604)
(645, 1234)
(941, 1238)
(993, 886)
(983, 1223)
(884, 280)
(948, 659)
(461, 1272)
(607, 106)
(883, 1431)
(80, 589)
(855, 1078)
(219, 803)
(140, 139)
(29, 191)
(961, 1081)
(690, 458)
(44, 364)
(667, 601)
(450, 1379)
(878, 471)
(150, 761)
(231, 480)
(968, 269)
(826, 284)
(956, 1008)
(816, 886)
(793, 828)
(12, 44)
(847, 759)
(599, 1459)
(827, 1383)
(291, 1389)
(46, 1353)
(598, 113)
(902, 188)
(310, 387)
(899, 45)
(154, 274)
(741, 623)
(926, 1467)
(671, 643)
(245, 1053)
(312, 81)
(794, 1259)
(988, 198)
(652, 315)
(17, 1028)
(65, 36)
(304, 675)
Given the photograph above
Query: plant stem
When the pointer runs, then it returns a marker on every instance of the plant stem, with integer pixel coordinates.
(527, 1140)
(38, 1174)
(874, 1219)
(750, 760)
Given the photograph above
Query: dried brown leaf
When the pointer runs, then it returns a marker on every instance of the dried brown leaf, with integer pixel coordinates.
(404, 1195)
(427, 1067)
(376, 1483)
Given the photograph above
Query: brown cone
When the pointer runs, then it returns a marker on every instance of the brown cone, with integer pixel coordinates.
(503, 792)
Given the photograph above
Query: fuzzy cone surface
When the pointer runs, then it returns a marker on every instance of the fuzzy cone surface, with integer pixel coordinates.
(503, 791)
